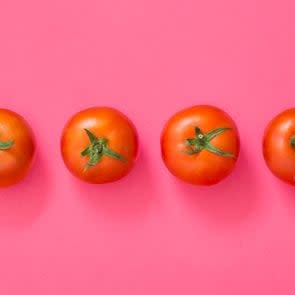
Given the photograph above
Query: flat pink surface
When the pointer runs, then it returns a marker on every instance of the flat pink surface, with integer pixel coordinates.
(149, 233)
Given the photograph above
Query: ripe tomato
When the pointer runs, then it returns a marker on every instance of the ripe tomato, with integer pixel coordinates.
(17, 147)
(279, 146)
(99, 145)
(200, 145)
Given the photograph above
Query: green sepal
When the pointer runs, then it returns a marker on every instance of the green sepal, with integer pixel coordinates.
(215, 150)
(85, 152)
(190, 141)
(215, 132)
(6, 145)
(91, 136)
(112, 154)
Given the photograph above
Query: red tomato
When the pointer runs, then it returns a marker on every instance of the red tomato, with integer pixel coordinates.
(279, 146)
(99, 145)
(17, 148)
(200, 145)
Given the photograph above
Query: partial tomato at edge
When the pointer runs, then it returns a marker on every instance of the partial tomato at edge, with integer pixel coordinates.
(200, 145)
(99, 145)
(17, 147)
(279, 146)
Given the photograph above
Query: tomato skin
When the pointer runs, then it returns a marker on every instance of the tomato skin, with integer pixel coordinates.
(17, 160)
(104, 122)
(278, 152)
(204, 168)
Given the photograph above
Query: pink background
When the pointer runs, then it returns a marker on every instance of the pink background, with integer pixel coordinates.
(149, 233)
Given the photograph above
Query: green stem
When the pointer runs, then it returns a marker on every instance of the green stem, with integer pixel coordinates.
(202, 141)
(98, 148)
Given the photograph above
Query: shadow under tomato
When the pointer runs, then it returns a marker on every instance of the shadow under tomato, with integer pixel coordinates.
(22, 203)
(125, 199)
(225, 204)
(286, 192)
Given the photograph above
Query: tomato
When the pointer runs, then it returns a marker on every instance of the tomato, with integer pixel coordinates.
(200, 145)
(17, 148)
(99, 145)
(279, 146)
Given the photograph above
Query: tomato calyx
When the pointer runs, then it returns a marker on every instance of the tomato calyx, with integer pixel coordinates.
(98, 148)
(6, 145)
(202, 141)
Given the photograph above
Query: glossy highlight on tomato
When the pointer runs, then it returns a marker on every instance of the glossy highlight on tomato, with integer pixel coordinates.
(99, 145)
(17, 147)
(200, 145)
(279, 146)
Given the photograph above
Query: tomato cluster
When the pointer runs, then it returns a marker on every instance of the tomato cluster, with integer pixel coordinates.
(200, 145)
